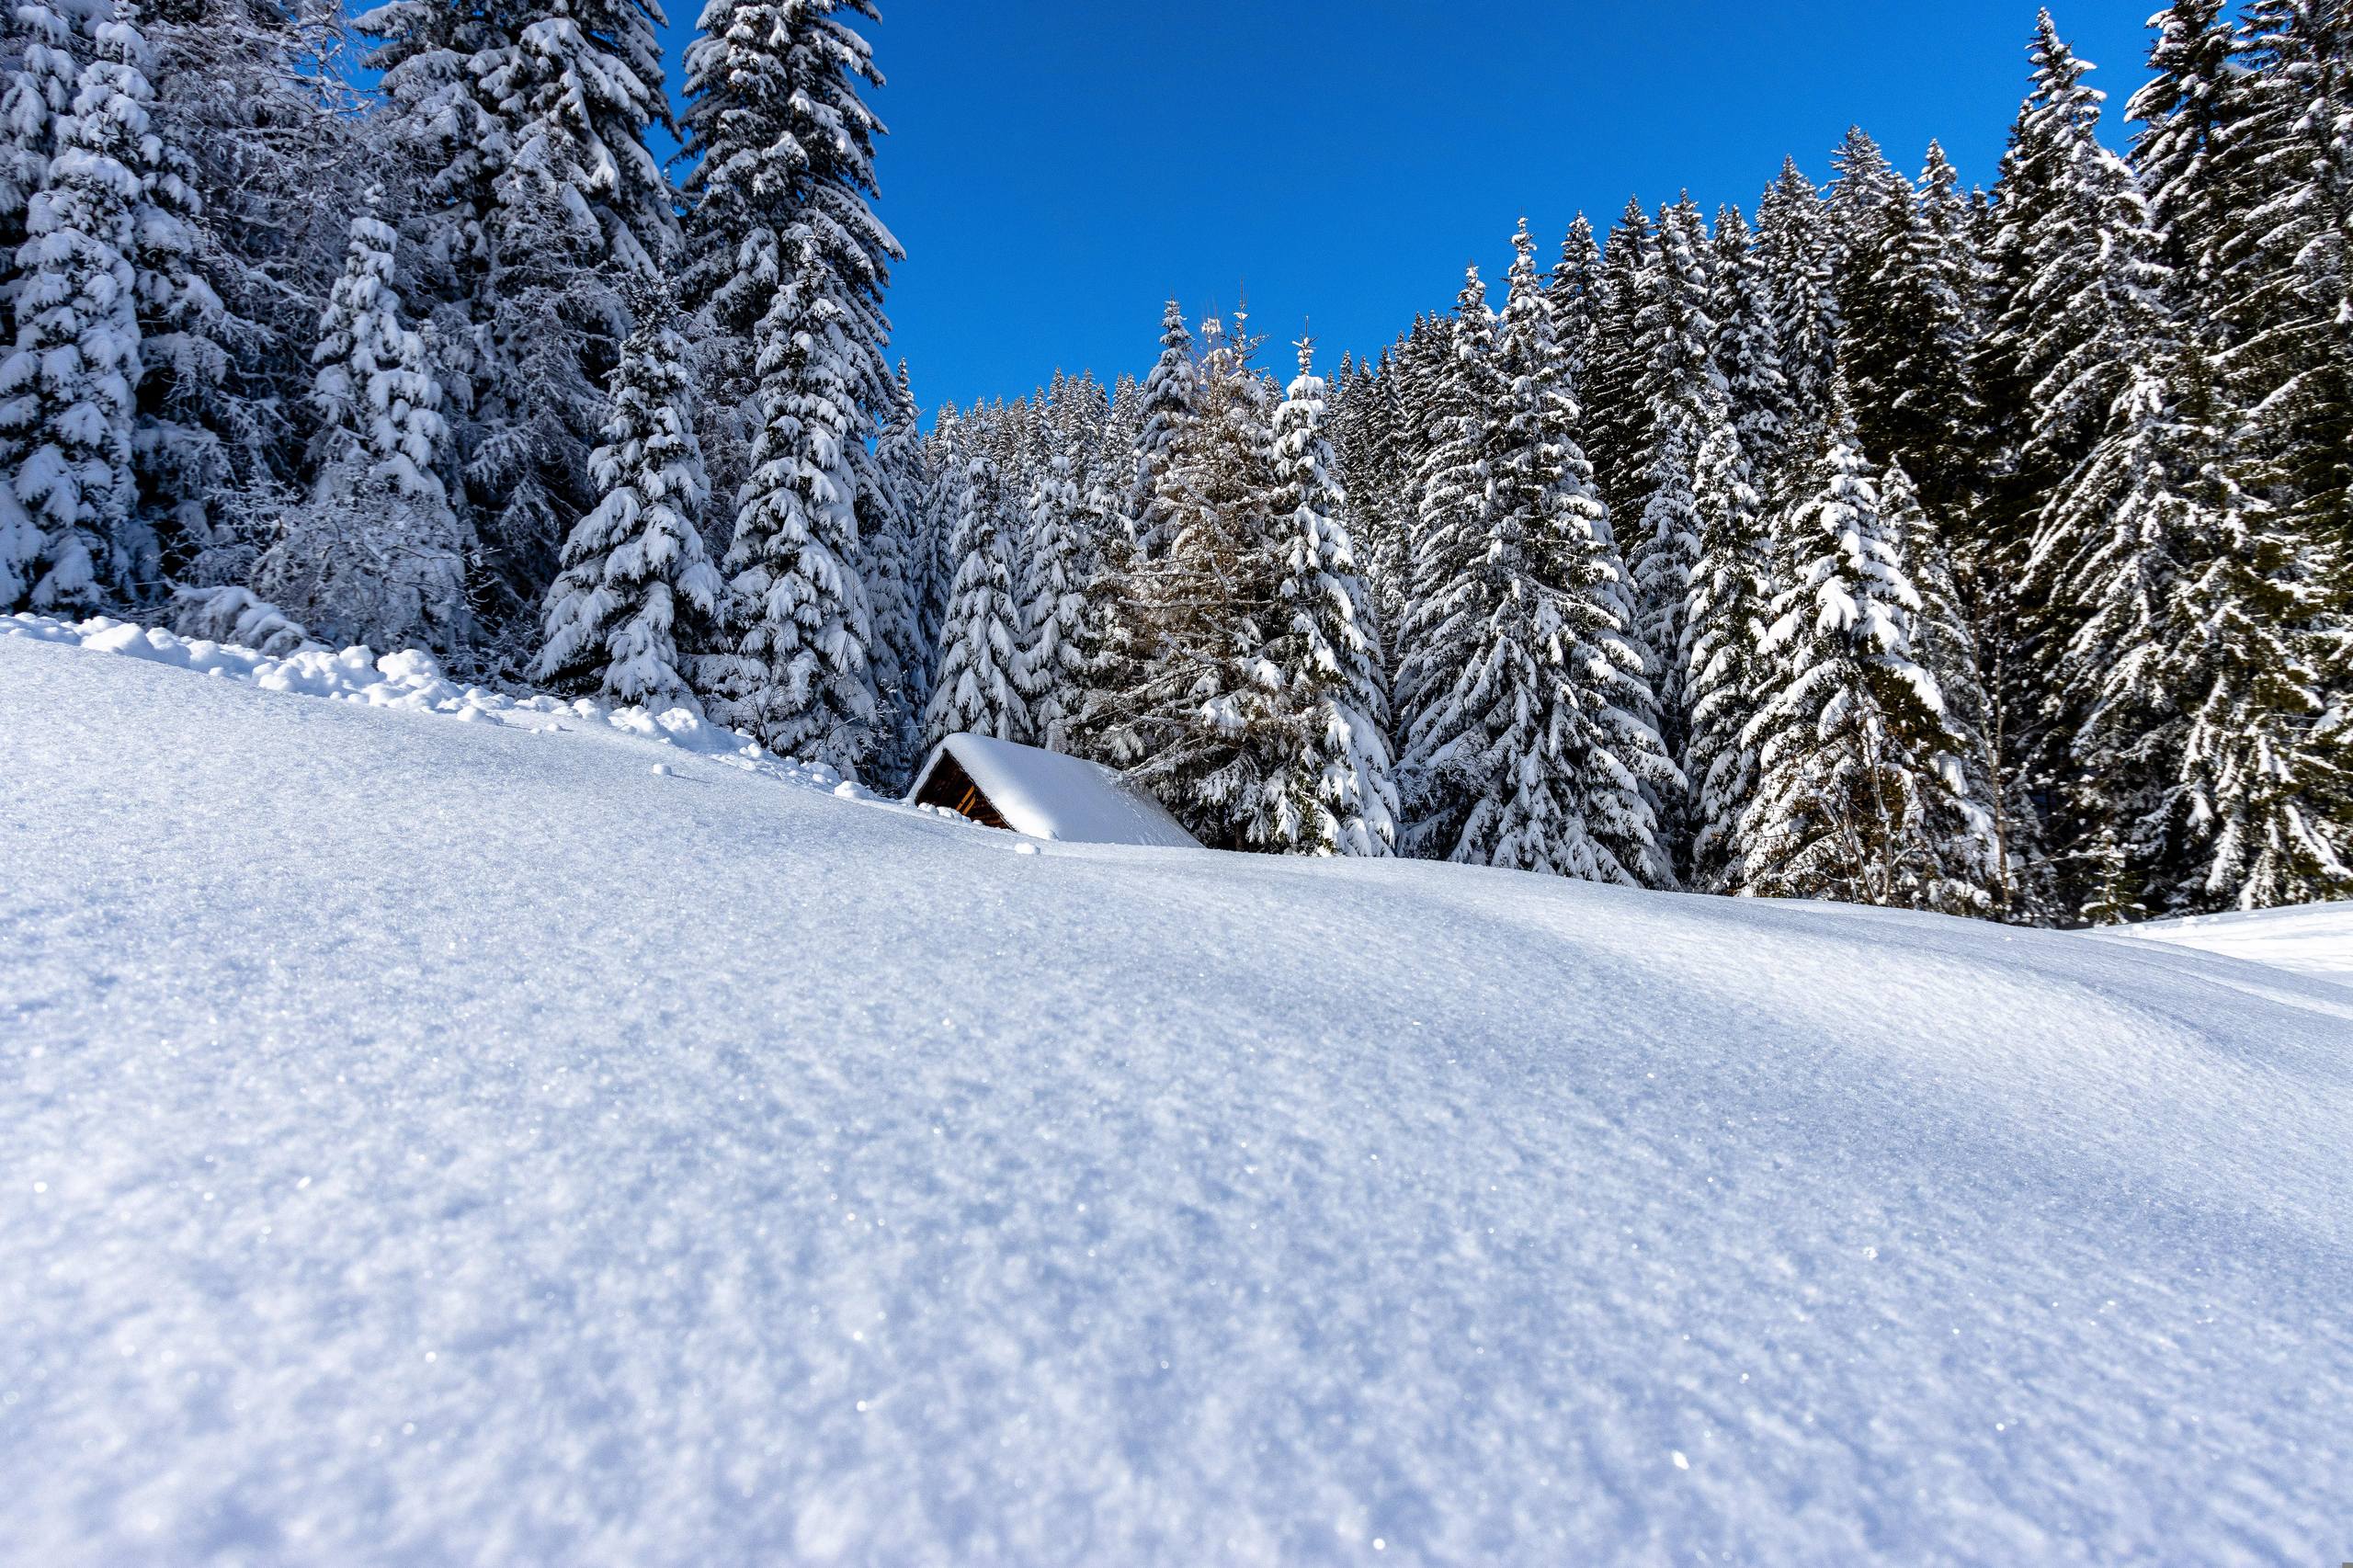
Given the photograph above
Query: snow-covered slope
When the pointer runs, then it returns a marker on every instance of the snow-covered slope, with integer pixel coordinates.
(2314, 940)
(439, 1142)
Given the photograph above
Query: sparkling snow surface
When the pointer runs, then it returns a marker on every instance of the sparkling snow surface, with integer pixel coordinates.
(431, 1142)
(2314, 940)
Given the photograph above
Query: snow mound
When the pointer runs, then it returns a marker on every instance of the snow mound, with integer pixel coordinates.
(431, 1142)
(2317, 940)
(411, 680)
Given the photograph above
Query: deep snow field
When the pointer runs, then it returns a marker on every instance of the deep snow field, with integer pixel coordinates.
(546, 1138)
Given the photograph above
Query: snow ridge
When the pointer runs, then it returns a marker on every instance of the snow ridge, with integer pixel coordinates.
(411, 680)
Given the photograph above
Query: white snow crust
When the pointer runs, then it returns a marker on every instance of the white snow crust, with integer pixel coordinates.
(1049, 795)
(2317, 939)
(433, 1141)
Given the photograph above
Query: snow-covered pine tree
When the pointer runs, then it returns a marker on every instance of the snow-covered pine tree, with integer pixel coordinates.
(1904, 330)
(1575, 293)
(68, 391)
(1748, 352)
(800, 673)
(1195, 728)
(2184, 154)
(2065, 339)
(1687, 406)
(2264, 799)
(2070, 282)
(1533, 747)
(2103, 568)
(638, 596)
(1058, 560)
(373, 554)
(267, 138)
(1859, 798)
(1617, 411)
(1171, 394)
(979, 688)
(1329, 791)
(40, 44)
(1798, 247)
(1944, 643)
(1863, 185)
(42, 76)
(894, 530)
(1722, 660)
(527, 126)
(1453, 520)
(2283, 276)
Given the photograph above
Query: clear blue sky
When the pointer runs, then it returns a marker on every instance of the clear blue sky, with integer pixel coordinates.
(1058, 168)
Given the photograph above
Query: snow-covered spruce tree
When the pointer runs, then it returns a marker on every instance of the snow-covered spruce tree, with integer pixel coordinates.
(1575, 293)
(894, 530)
(2068, 286)
(2265, 798)
(1454, 502)
(785, 251)
(798, 673)
(1378, 453)
(2185, 154)
(979, 690)
(373, 554)
(1115, 640)
(1858, 799)
(1107, 651)
(1195, 726)
(1687, 403)
(1534, 748)
(1413, 372)
(526, 129)
(1748, 351)
(1722, 658)
(1329, 792)
(2056, 359)
(781, 142)
(1906, 329)
(1057, 557)
(1944, 643)
(1863, 185)
(1617, 411)
(1171, 397)
(68, 391)
(2102, 572)
(2283, 274)
(41, 45)
(270, 147)
(38, 89)
(943, 461)
(638, 596)
(1798, 247)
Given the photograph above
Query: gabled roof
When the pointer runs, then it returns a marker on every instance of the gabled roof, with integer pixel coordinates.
(1047, 795)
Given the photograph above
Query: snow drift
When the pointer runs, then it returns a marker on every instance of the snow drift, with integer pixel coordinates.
(434, 1141)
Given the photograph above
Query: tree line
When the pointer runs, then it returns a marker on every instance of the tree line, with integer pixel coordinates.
(1981, 550)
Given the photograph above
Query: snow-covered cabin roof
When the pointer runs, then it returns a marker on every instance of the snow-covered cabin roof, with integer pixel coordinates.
(1044, 794)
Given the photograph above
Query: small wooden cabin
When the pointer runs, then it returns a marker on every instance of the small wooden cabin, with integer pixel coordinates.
(1043, 794)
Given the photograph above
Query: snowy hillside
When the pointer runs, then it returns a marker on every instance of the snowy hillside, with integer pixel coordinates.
(2315, 939)
(522, 1139)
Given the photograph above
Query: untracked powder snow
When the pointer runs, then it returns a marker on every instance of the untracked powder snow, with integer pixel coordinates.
(438, 1129)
